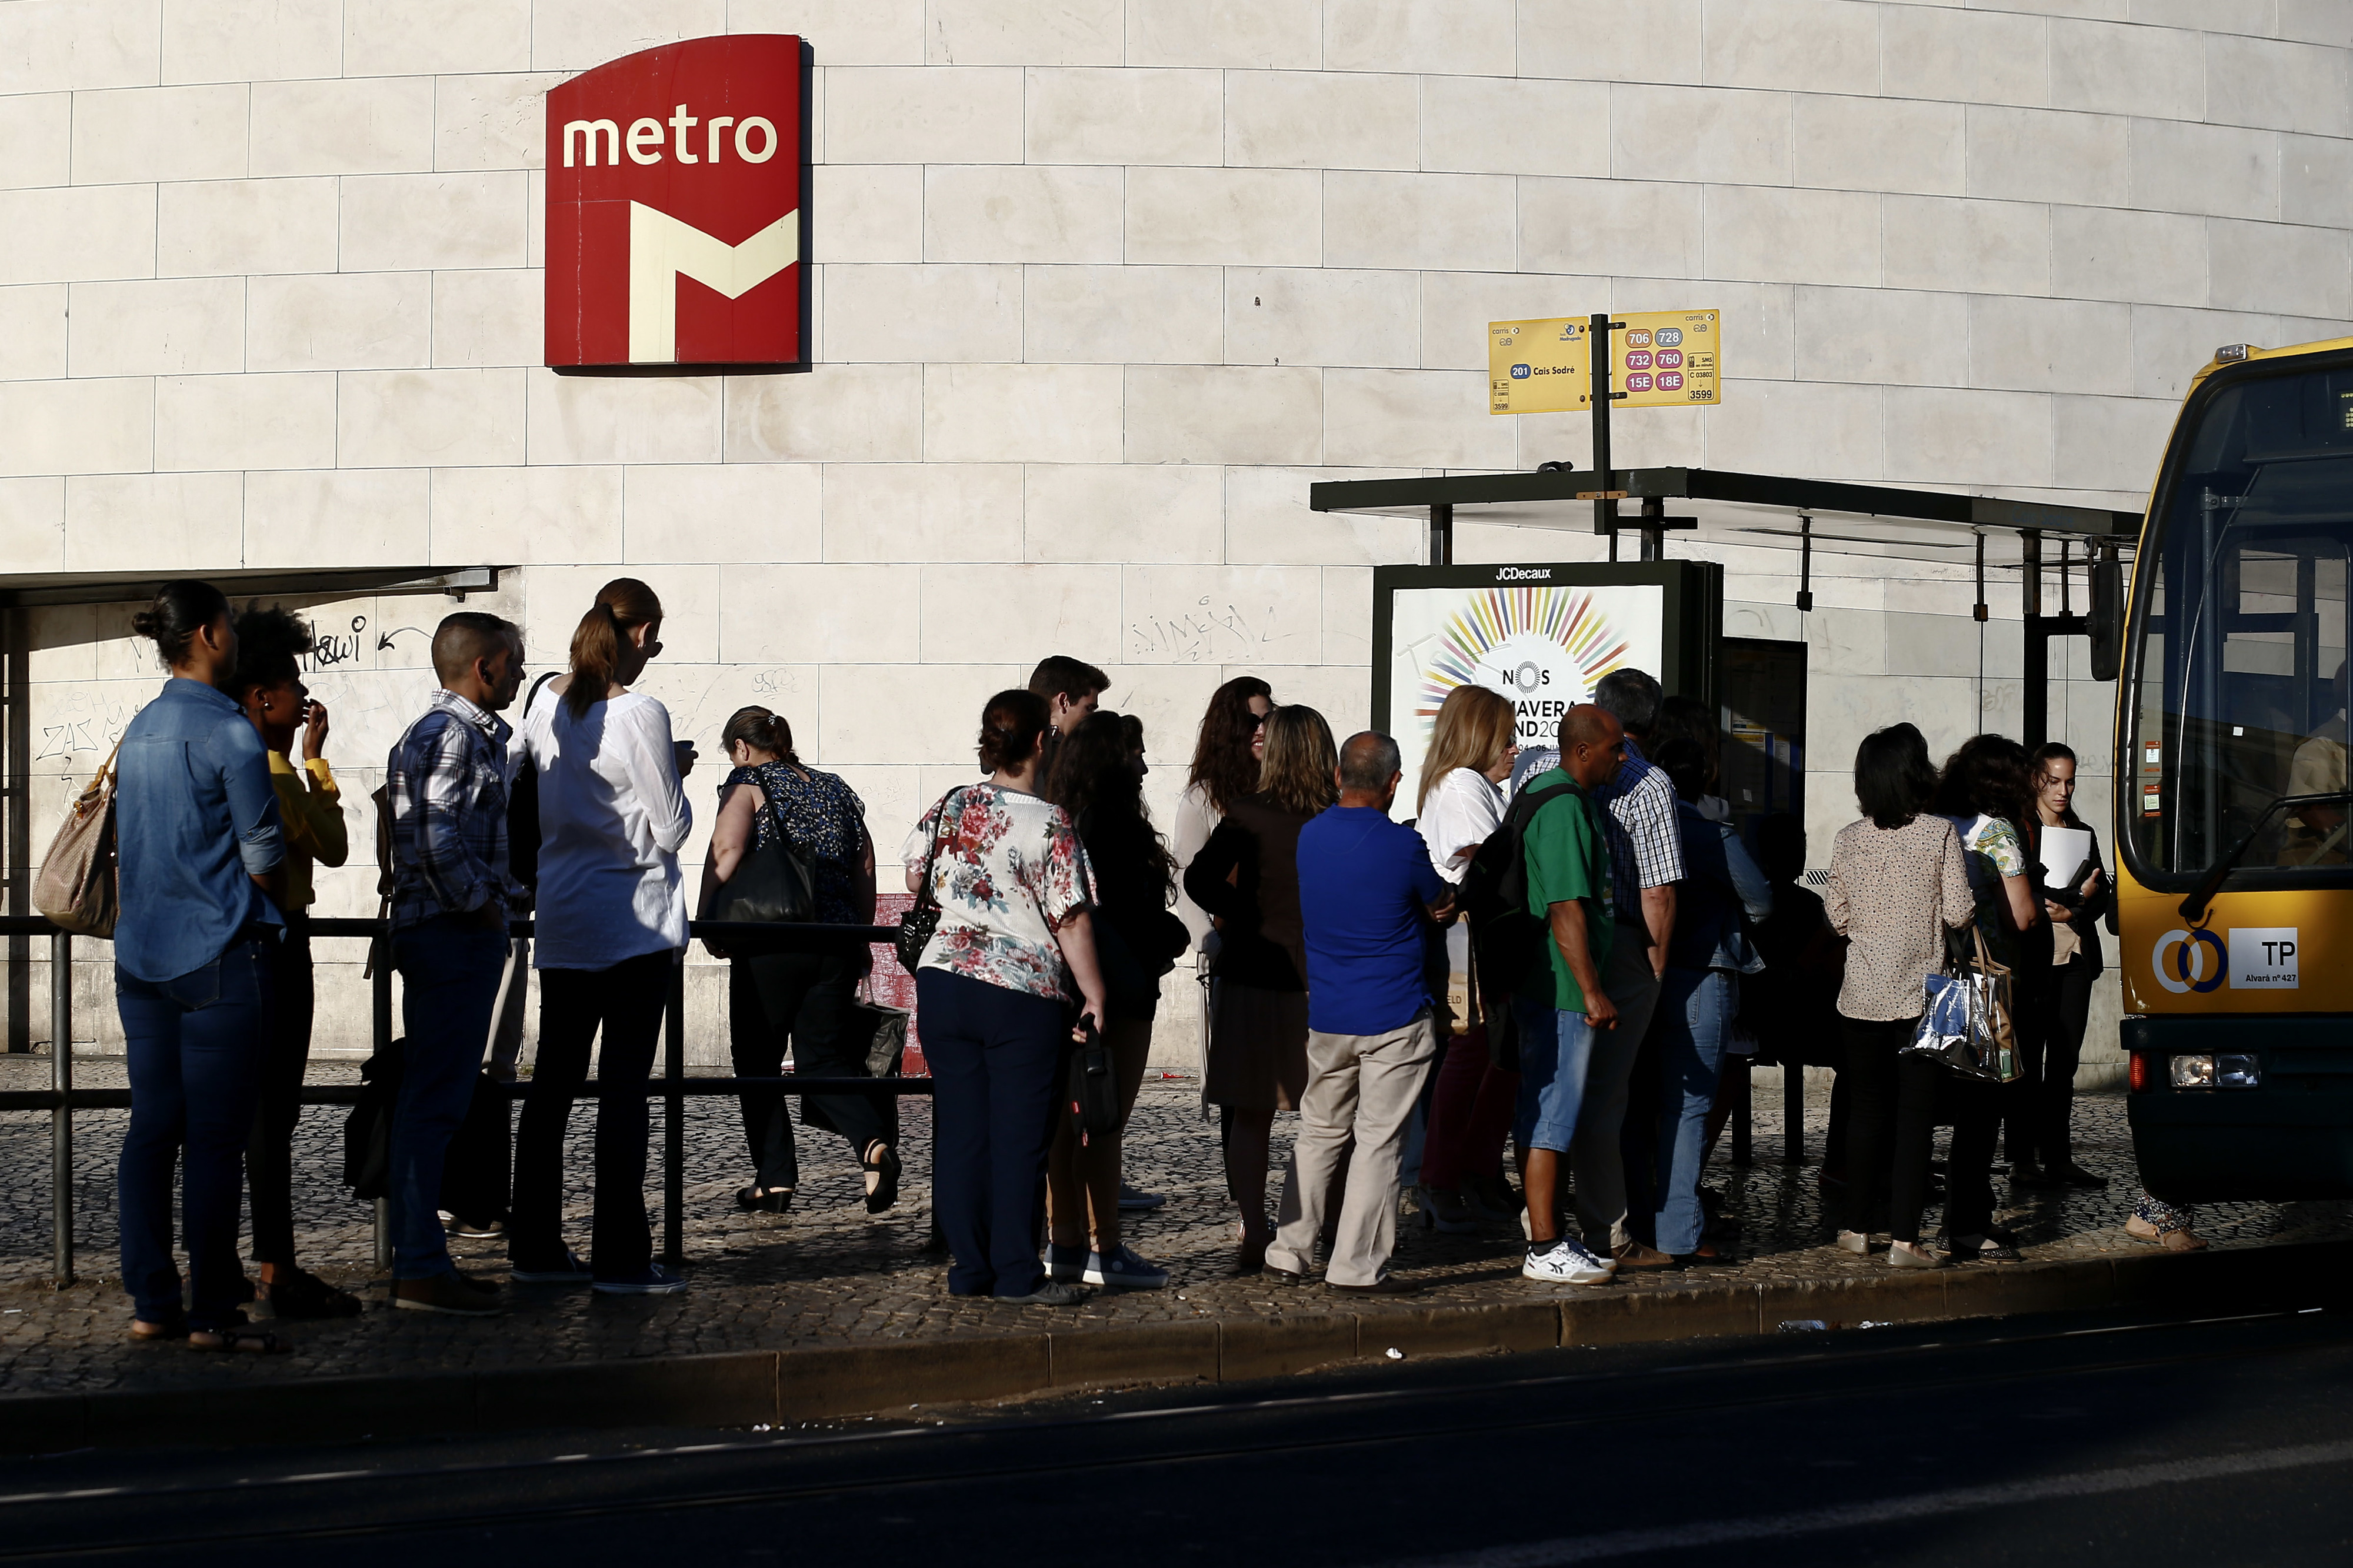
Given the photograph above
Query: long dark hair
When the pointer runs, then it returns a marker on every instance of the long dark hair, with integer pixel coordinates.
(1222, 763)
(1989, 777)
(622, 606)
(182, 608)
(2051, 752)
(1893, 780)
(1095, 779)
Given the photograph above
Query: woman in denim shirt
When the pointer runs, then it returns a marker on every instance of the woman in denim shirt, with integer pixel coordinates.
(1701, 992)
(200, 843)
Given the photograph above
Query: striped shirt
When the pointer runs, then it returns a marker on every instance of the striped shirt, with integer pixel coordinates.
(446, 785)
(1646, 848)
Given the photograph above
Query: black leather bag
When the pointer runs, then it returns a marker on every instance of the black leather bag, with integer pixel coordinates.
(774, 885)
(1093, 1092)
(916, 926)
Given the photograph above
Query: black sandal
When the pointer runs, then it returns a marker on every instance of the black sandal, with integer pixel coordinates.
(765, 1200)
(239, 1336)
(884, 1163)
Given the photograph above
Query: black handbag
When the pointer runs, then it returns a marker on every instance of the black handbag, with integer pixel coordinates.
(1094, 1089)
(774, 885)
(917, 925)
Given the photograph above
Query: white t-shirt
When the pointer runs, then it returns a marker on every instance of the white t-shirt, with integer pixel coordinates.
(1460, 814)
(1196, 820)
(612, 817)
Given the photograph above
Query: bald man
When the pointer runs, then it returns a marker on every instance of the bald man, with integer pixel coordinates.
(1367, 894)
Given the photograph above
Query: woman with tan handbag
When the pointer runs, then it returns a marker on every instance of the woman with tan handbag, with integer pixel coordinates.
(203, 856)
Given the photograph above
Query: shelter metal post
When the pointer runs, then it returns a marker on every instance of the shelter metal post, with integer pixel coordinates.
(674, 1119)
(1605, 505)
(380, 1007)
(19, 749)
(1441, 534)
(1793, 1114)
(61, 1193)
(2036, 721)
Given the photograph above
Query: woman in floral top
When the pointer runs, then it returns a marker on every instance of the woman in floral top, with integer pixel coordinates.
(803, 996)
(994, 989)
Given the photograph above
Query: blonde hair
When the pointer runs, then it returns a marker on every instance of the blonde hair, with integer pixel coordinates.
(1296, 773)
(1475, 726)
(622, 606)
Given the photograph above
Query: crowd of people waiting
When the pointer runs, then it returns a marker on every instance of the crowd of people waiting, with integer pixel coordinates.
(1554, 959)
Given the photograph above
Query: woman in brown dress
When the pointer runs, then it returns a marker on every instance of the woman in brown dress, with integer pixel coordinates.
(1247, 878)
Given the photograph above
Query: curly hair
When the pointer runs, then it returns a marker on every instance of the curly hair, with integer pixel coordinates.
(270, 640)
(1988, 775)
(1222, 763)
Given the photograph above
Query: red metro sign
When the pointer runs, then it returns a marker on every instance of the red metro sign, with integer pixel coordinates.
(673, 206)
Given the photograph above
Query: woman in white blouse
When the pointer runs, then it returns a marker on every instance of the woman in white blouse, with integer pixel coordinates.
(1472, 749)
(610, 923)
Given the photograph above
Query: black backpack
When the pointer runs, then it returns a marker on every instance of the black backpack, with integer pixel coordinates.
(1507, 938)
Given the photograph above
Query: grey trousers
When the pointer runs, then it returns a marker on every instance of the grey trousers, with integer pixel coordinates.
(1594, 1156)
(1361, 1091)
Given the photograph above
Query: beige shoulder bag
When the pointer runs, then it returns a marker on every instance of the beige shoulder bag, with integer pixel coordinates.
(77, 888)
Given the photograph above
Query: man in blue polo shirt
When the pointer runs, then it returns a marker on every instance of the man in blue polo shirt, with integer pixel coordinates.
(1367, 894)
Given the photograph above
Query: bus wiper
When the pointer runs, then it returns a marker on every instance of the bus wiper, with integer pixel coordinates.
(2193, 907)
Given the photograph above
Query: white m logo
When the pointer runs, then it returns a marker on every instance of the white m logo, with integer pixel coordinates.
(663, 250)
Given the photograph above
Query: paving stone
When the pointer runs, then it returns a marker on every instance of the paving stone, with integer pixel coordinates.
(828, 1274)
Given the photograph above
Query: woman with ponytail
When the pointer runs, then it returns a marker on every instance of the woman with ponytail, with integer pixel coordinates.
(1010, 966)
(802, 997)
(611, 924)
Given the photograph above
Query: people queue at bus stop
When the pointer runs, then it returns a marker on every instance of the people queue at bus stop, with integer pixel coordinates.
(1542, 976)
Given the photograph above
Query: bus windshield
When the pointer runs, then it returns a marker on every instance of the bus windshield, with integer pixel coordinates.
(2241, 631)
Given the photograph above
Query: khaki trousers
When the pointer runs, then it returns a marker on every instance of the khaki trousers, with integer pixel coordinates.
(1361, 1091)
(1594, 1156)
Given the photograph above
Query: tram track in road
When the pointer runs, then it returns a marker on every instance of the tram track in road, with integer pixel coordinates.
(226, 1503)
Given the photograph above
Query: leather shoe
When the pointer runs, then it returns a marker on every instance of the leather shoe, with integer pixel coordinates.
(1634, 1255)
(1386, 1285)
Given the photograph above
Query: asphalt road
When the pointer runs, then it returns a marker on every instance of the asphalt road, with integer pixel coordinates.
(2052, 1441)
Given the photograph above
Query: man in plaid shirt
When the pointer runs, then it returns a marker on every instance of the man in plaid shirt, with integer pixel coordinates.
(445, 789)
(1646, 861)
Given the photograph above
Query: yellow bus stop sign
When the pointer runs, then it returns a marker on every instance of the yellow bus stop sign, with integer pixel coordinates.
(1662, 359)
(1666, 359)
(1537, 367)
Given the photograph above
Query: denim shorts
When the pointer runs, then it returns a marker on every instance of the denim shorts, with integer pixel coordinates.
(1554, 1050)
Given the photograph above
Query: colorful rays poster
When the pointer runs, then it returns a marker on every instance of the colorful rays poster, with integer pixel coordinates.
(1542, 646)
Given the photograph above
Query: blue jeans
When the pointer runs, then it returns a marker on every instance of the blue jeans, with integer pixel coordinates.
(1556, 1047)
(194, 1046)
(450, 967)
(996, 1057)
(1694, 1015)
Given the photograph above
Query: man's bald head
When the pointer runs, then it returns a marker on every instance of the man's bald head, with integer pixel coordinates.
(1592, 744)
(1370, 767)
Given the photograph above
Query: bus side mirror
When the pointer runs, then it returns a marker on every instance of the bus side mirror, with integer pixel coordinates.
(2106, 620)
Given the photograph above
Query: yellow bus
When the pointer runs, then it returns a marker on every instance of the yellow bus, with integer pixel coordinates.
(2234, 905)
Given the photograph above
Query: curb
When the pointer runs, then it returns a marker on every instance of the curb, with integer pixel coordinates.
(749, 1387)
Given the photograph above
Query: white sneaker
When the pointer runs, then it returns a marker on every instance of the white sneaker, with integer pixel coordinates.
(1567, 1263)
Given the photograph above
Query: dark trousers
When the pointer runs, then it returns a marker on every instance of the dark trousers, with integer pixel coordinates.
(193, 1045)
(286, 1056)
(996, 1058)
(2050, 1048)
(805, 997)
(1896, 1102)
(449, 971)
(2034, 990)
(624, 1002)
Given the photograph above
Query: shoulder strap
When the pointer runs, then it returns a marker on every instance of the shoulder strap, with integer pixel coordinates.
(931, 851)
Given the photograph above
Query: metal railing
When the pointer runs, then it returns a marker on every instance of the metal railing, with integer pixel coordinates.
(61, 1100)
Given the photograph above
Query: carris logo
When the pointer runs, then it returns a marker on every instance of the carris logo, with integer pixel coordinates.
(1522, 573)
(673, 206)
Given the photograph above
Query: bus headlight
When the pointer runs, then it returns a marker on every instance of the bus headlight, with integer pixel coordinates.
(2215, 1071)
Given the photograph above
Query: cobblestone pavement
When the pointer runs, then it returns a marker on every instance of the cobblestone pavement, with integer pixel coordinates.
(826, 1273)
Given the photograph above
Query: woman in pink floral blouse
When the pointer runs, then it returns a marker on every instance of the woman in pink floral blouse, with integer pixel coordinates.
(996, 990)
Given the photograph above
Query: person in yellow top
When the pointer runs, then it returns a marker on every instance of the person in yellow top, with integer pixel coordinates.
(268, 683)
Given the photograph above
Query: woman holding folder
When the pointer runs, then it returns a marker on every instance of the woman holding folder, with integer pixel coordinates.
(2075, 895)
